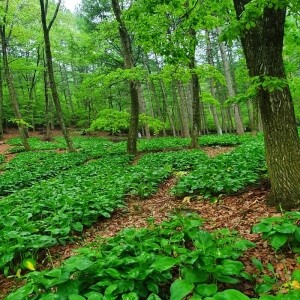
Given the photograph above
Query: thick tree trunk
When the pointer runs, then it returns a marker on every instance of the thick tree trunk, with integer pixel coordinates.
(183, 111)
(263, 50)
(1, 105)
(52, 83)
(129, 64)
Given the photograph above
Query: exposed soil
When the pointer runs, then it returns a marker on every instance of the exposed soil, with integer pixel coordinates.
(238, 212)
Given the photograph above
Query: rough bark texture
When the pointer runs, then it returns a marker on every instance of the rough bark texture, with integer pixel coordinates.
(11, 89)
(195, 91)
(129, 64)
(1, 105)
(263, 50)
(230, 86)
(183, 111)
(210, 60)
(52, 83)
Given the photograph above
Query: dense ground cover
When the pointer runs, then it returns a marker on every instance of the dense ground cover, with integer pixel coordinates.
(96, 182)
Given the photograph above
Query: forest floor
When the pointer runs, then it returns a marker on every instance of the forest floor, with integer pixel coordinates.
(237, 212)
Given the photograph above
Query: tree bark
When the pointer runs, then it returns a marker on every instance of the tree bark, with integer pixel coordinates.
(263, 47)
(11, 88)
(213, 91)
(195, 91)
(183, 111)
(230, 86)
(52, 83)
(129, 64)
(1, 105)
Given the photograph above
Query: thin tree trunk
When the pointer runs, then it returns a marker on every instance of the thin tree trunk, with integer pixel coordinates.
(11, 88)
(230, 87)
(143, 110)
(213, 91)
(52, 83)
(129, 64)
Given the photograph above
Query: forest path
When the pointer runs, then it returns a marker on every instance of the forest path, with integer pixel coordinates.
(237, 212)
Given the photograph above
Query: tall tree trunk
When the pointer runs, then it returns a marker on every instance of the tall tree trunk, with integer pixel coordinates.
(129, 64)
(263, 47)
(52, 83)
(230, 87)
(143, 110)
(213, 91)
(183, 111)
(11, 88)
(1, 105)
(195, 91)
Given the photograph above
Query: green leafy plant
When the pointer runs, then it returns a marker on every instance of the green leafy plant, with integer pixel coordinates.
(167, 261)
(281, 231)
(226, 173)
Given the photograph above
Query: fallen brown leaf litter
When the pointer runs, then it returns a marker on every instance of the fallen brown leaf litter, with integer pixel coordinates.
(237, 212)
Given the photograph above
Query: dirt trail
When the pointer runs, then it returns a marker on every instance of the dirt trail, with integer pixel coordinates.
(237, 212)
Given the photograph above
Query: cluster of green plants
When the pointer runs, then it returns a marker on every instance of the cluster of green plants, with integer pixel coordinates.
(35, 144)
(152, 169)
(224, 140)
(162, 143)
(165, 143)
(2, 158)
(173, 260)
(29, 168)
(166, 261)
(281, 231)
(226, 173)
(53, 210)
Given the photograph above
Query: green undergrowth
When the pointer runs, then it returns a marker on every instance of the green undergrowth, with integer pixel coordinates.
(52, 211)
(35, 144)
(174, 260)
(152, 169)
(281, 231)
(166, 261)
(29, 168)
(226, 173)
(166, 143)
(2, 158)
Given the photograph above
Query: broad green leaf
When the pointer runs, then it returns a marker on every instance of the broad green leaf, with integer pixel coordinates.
(163, 263)
(78, 226)
(286, 228)
(230, 295)
(130, 296)
(21, 293)
(180, 288)
(153, 297)
(207, 290)
(94, 296)
(262, 228)
(296, 275)
(278, 240)
(113, 273)
(297, 234)
(76, 297)
(232, 267)
(263, 288)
